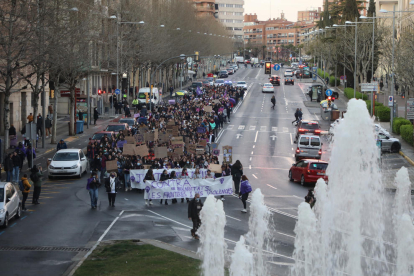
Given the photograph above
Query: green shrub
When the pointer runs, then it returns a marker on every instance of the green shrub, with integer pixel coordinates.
(332, 81)
(349, 93)
(407, 133)
(320, 73)
(397, 123)
(383, 113)
(369, 104)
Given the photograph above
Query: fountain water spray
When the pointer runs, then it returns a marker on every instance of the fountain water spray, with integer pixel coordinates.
(211, 232)
(242, 261)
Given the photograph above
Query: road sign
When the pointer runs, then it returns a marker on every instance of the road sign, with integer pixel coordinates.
(117, 91)
(410, 109)
(373, 86)
(314, 72)
(328, 92)
(343, 77)
(390, 100)
(290, 55)
(276, 67)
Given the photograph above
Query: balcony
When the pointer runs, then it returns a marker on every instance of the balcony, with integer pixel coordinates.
(205, 1)
(205, 9)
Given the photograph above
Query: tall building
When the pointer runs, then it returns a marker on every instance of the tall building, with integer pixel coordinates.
(231, 15)
(309, 15)
(205, 7)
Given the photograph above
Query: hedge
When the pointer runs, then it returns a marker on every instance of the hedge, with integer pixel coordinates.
(349, 93)
(332, 81)
(320, 73)
(407, 133)
(383, 113)
(397, 123)
(368, 102)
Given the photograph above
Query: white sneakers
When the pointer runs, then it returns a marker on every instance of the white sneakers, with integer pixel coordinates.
(146, 202)
(244, 211)
(126, 189)
(150, 203)
(223, 199)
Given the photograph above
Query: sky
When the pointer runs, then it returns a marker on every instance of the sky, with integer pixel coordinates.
(265, 8)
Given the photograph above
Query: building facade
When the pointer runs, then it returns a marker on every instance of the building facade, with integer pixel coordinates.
(231, 15)
(309, 15)
(205, 7)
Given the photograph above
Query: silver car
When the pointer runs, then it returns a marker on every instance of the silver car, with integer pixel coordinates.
(241, 84)
(309, 146)
(10, 203)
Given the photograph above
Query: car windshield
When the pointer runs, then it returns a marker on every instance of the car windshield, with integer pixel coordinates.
(141, 96)
(1, 194)
(128, 121)
(98, 136)
(206, 81)
(66, 156)
(195, 84)
(304, 141)
(318, 166)
(210, 79)
(315, 142)
(241, 82)
(310, 125)
(219, 81)
(115, 128)
(268, 84)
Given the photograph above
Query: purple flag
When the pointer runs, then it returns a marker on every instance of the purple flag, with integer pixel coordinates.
(198, 90)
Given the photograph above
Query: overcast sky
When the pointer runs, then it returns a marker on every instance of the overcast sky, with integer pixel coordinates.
(265, 8)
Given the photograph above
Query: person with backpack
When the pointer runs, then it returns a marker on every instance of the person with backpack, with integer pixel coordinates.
(245, 189)
(35, 176)
(24, 186)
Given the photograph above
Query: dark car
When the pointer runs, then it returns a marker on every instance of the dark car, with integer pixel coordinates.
(223, 74)
(308, 171)
(98, 135)
(194, 86)
(130, 121)
(206, 83)
(275, 80)
(116, 127)
(289, 81)
(307, 126)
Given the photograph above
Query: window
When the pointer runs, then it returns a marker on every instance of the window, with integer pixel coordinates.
(229, 21)
(304, 141)
(229, 28)
(66, 156)
(82, 155)
(222, 5)
(238, 13)
(1, 194)
(270, 28)
(222, 20)
(310, 125)
(238, 21)
(222, 13)
(229, 5)
(237, 29)
(315, 142)
(238, 6)
(318, 166)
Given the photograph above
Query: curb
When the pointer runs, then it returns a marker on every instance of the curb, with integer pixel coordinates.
(407, 158)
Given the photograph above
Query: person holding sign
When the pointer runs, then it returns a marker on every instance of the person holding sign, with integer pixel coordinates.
(245, 189)
(194, 208)
(164, 176)
(149, 176)
(112, 185)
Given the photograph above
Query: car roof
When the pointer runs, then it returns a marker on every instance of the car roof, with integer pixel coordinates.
(310, 122)
(104, 132)
(268, 84)
(116, 124)
(68, 150)
(310, 136)
(315, 161)
(275, 76)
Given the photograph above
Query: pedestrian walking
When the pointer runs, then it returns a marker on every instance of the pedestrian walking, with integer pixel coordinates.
(245, 189)
(111, 185)
(39, 124)
(92, 186)
(26, 189)
(300, 114)
(126, 171)
(273, 100)
(381, 84)
(296, 116)
(30, 118)
(48, 126)
(61, 145)
(35, 176)
(95, 115)
(171, 90)
(16, 167)
(30, 155)
(237, 172)
(194, 208)
(8, 167)
(127, 111)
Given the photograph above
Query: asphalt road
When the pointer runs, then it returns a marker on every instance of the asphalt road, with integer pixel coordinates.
(51, 237)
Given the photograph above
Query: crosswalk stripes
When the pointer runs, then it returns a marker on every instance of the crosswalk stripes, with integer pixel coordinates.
(262, 128)
(230, 127)
(241, 126)
(252, 127)
(285, 129)
(274, 128)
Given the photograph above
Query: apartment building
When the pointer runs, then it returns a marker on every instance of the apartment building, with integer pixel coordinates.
(205, 7)
(309, 15)
(231, 15)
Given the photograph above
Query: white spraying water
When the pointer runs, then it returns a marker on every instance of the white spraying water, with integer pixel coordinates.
(242, 263)
(352, 220)
(212, 245)
(402, 202)
(258, 233)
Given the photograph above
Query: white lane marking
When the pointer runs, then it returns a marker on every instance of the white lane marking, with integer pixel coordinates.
(254, 176)
(282, 263)
(219, 135)
(252, 153)
(230, 127)
(252, 127)
(285, 129)
(291, 139)
(250, 159)
(96, 244)
(274, 128)
(263, 128)
(250, 167)
(241, 127)
(271, 186)
(255, 139)
(232, 217)
(254, 146)
(286, 235)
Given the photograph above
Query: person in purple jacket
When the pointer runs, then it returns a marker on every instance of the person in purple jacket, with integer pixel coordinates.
(245, 190)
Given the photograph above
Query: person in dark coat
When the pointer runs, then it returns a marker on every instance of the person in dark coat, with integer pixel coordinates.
(164, 176)
(95, 115)
(112, 185)
(127, 111)
(8, 167)
(39, 125)
(61, 145)
(21, 151)
(273, 100)
(194, 207)
(48, 126)
(171, 91)
(16, 167)
(92, 186)
(12, 130)
(296, 116)
(237, 172)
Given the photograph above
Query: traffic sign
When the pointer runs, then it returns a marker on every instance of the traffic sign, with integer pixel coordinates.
(391, 101)
(276, 67)
(343, 77)
(328, 92)
(314, 72)
(373, 86)
(117, 91)
(290, 55)
(410, 109)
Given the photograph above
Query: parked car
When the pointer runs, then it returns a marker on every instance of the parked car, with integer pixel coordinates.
(194, 86)
(230, 71)
(219, 82)
(130, 121)
(211, 80)
(275, 80)
(68, 162)
(98, 136)
(289, 81)
(10, 203)
(386, 141)
(308, 171)
(116, 127)
(223, 74)
(288, 73)
(268, 87)
(309, 146)
(307, 127)
(206, 83)
(241, 84)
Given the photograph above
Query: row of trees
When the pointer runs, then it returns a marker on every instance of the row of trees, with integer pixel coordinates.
(60, 42)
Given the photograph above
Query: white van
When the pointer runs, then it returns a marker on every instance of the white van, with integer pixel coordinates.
(142, 95)
(309, 147)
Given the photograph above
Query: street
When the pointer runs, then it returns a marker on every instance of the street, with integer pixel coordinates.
(51, 237)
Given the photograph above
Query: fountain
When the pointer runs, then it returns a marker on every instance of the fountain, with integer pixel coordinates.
(349, 233)
(212, 245)
(242, 261)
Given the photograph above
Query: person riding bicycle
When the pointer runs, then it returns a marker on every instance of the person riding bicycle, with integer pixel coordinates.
(273, 100)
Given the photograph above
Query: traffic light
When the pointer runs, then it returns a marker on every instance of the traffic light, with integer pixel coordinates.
(196, 58)
(52, 94)
(329, 101)
(268, 68)
(99, 92)
(146, 97)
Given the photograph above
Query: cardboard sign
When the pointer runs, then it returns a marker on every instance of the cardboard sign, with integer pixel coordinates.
(128, 149)
(170, 132)
(125, 132)
(228, 154)
(175, 131)
(144, 129)
(192, 148)
(111, 166)
(208, 108)
(216, 168)
(163, 137)
(202, 143)
(179, 151)
(199, 151)
(178, 138)
(201, 129)
(216, 101)
(177, 144)
(216, 152)
(160, 152)
(170, 123)
(141, 150)
(130, 140)
(139, 138)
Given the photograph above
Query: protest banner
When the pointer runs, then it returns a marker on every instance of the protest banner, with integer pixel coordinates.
(215, 152)
(163, 137)
(202, 143)
(216, 168)
(129, 149)
(137, 176)
(143, 129)
(201, 129)
(155, 135)
(125, 132)
(170, 123)
(130, 140)
(111, 166)
(141, 150)
(187, 188)
(208, 108)
(178, 138)
(160, 152)
(216, 101)
(179, 151)
(175, 131)
(228, 154)
(177, 144)
(192, 148)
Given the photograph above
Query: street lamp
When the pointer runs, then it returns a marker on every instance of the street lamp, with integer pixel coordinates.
(392, 59)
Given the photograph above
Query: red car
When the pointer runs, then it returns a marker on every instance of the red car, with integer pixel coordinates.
(308, 171)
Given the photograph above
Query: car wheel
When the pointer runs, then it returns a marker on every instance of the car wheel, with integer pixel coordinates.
(19, 212)
(290, 175)
(80, 172)
(6, 221)
(302, 180)
(395, 147)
